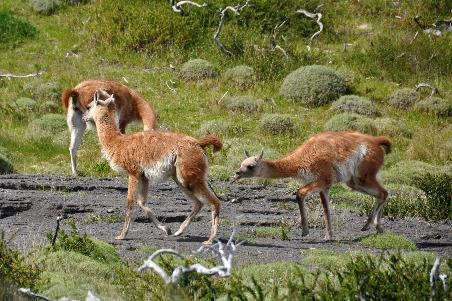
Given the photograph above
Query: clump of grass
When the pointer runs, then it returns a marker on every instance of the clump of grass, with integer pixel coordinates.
(45, 7)
(409, 172)
(216, 127)
(197, 69)
(48, 126)
(391, 127)
(385, 241)
(436, 106)
(314, 85)
(350, 122)
(242, 77)
(438, 189)
(44, 91)
(277, 123)
(26, 104)
(404, 98)
(5, 166)
(14, 30)
(431, 145)
(246, 104)
(355, 104)
(282, 232)
(220, 172)
(103, 219)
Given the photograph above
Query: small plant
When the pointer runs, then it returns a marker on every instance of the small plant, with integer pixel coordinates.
(47, 127)
(26, 104)
(244, 104)
(391, 127)
(387, 241)
(14, 30)
(45, 7)
(435, 106)
(5, 165)
(355, 104)
(350, 122)
(216, 127)
(44, 91)
(197, 69)
(430, 145)
(241, 76)
(314, 85)
(277, 124)
(409, 172)
(103, 219)
(404, 98)
(438, 189)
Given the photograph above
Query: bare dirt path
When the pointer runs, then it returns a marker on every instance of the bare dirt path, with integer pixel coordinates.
(29, 205)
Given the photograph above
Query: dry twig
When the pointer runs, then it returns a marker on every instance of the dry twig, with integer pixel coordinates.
(9, 75)
(316, 16)
(425, 85)
(177, 7)
(273, 45)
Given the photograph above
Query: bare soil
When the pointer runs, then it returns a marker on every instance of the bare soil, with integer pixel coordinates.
(29, 205)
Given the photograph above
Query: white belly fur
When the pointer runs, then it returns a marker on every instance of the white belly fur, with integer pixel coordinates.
(347, 169)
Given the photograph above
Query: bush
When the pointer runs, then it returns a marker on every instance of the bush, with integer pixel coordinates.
(404, 98)
(314, 85)
(242, 104)
(5, 165)
(438, 189)
(26, 104)
(392, 127)
(436, 106)
(197, 69)
(410, 172)
(14, 30)
(49, 126)
(216, 127)
(385, 241)
(44, 91)
(241, 76)
(277, 123)
(431, 145)
(45, 7)
(355, 104)
(350, 122)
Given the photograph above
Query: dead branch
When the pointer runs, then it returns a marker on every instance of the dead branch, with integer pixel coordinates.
(312, 16)
(177, 7)
(434, 273)
(9, 75)
(439, 27)
(236, 10)
(223, 270)
(55, 235)
(425, 85)
(273, 45)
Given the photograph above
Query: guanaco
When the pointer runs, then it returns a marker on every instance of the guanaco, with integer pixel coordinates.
(155, 156)
(323, 160)
(130, 106)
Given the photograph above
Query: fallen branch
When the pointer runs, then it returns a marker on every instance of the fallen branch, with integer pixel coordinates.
(177, 7)
(223, 270)
(312, 16)
(28, 292)
(9, 75)
(425, 85)
(273, 45)
(236, 10)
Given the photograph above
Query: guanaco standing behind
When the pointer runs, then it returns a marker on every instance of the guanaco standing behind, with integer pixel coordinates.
(155, 156)
(323, 160)
(130, 106)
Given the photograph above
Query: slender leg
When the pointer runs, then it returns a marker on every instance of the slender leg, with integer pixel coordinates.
(324, 197)
(143, 186)
(77, 127)
(196, 208)
(204, 194)
(133, 183)
(301, 195)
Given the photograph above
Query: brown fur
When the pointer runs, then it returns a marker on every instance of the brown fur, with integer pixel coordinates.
(151, 155)
(323, 160)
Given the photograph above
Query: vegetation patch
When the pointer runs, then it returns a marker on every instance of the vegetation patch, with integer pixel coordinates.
(438, 189)
(386, 241)
(277, 123)
(242, 104)
(355, 104)
(314, 85)
(44, 91)
(47, 127)
(431, 146)
(26, 104)
(350, 122)
(5, 166)
(435, 106)
(14, 30)
(281, 232)
(409, 172)
(45, 7)
(197, 69)
(391, 127)
(103, 218)
(217, 127)
(242, 77)
(404, 98)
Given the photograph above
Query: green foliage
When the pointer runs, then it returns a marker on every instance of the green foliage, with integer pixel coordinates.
(404, 98)
(15, 269)
(217, 127)
(5, 165)
(245, 104)
(438, 189)
(45, 7)
(435, 106)
(277, 123)
(391, 127)
(387, 241)
(243, 77)
(350, 122)
(431, 145)
(48, 126)
(355, 104)
(26, 104)
(314, 85)
(281, 232)
(409, 172)
(197, 69)
(44, 91)
(14, 30)
(103, 218)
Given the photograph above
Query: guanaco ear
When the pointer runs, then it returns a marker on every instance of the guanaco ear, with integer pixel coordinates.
(247, 155)
(261, 155)
(96, 98)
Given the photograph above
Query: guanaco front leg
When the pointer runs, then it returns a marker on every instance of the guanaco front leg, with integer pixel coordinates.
(133, 183)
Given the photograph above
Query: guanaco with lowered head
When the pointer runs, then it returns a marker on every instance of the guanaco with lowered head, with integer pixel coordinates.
(130, 106)
(323, 160)
(154, 156)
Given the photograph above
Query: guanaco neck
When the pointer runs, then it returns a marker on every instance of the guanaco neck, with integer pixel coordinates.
(277, 169)
(107, 131)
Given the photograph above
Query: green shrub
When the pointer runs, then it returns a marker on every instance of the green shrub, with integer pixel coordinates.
(431, 145)
(44, 91)
(314, 85)
(5, 165)
(197, 69)
(404, 98)
(241, 76)
(277, 123)
(217, 127)
(49, 126)
(350, 122)
(409, 172)
(391, 127)
(355, 104)
(246, 104)
(14, 30)
(438, 189)
(26, 104)
(436, 106)
(45, 7)
(387, 241)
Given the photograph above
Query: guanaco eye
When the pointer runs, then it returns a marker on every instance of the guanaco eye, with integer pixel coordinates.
(251, 167)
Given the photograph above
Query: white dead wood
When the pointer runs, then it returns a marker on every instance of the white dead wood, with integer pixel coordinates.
(236, 10)
(318, 17)
(177, 7)
(273, 45)
(169, 87)
(9, 75)
(225, 254)
(221, 98)
(89, 296)
(425, 85)
(438, 28)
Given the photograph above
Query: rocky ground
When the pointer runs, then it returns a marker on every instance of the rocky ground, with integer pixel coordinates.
(29, 205)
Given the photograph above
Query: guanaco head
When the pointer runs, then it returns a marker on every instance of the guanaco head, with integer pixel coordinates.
(98, 108)
(250, 167)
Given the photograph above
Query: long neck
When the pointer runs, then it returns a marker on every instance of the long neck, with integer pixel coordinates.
(107, 131)
(279, 169)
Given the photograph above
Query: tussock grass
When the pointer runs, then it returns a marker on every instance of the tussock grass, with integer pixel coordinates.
(350, 122)
(355, 104)
(242, 77)
(436, 106)
(387, 241)
(197, 69)
(278, 124)
(14, 30)
(404, 98)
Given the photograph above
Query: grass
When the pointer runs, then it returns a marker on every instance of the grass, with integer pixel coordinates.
(388, 241)
(103, 218)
